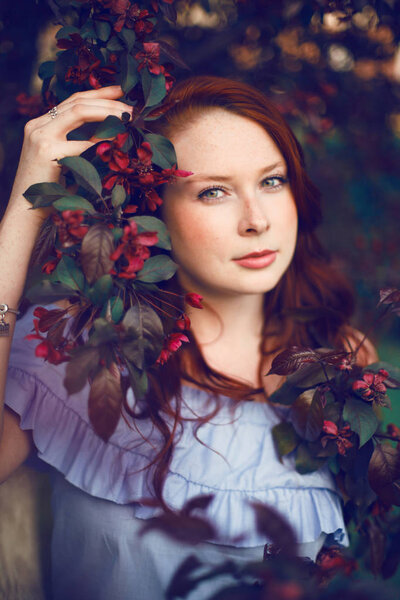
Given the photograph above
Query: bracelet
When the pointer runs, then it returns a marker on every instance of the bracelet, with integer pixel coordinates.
(5, 327)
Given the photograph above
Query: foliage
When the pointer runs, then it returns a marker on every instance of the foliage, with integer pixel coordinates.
(109, 255)
(332, 420)
(281, 574)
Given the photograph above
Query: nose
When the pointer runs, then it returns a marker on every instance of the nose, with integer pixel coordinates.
(253, 220)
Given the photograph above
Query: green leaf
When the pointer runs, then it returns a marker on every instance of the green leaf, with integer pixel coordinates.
(83, 362)
(114, 45)
(110, 127)
(101, 290)
(84, 172)
(69, 274)
(46, 69)
(128, 36)
(87, 30)
(285, 438)
(310, 375)
(153, 87)
(97, 246)
(116, 308)
(74, 203)
(138, 380)
(129, 73)
(44, 194)
(118, 196)
(144, 335)
(305, 461)
(46, 292)
(103, 30)
(103, 333)
(361, 418)
(286, 394)
(157, 268)
(154, 224)
(117, 232)
(163, 151)
(64, 32)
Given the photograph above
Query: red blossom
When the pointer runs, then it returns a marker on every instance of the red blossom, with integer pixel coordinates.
(132, 17)
(332, 560)
(70, 227)
(393, 431)
(139, 174)
(194, 300)
(111, 153)
(134, 250)
(340, 436)
(34, 106)
(149, 57)
(50, 265)
(372, 388)
(171, 344)
(183, 322)
(46, 349)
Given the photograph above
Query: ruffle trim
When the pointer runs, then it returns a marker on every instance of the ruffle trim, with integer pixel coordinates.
(68, 443)
(311, 511)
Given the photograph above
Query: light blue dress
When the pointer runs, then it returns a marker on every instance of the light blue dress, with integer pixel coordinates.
(97, 553)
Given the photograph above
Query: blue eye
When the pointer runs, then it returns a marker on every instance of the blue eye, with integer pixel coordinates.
(211, 193)
(275, 182)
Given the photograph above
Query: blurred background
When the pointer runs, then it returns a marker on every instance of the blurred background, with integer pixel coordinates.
(333, 69)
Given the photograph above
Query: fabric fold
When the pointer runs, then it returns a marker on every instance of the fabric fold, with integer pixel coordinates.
(234, 457)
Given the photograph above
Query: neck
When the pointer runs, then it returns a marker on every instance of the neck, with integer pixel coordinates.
(228, 320)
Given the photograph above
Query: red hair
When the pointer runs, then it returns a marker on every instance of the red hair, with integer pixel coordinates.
(310, 282)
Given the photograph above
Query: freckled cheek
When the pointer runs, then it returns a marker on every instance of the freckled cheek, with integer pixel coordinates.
(195, 236)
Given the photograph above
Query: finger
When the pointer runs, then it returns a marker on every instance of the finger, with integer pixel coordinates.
(112, 104)
(79, 114)
(73, 148)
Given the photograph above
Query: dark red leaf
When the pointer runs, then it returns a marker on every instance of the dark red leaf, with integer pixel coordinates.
(377, 543)
(290, 360)
(181, 583)
(384, 473)
(198, 502)
(97, 246)
(170, 52)
(274, 526)
(184, 528)
(389, 296)
(56, 332)
(105, 401)
(83, 362)
(50, 318)
(307, 415)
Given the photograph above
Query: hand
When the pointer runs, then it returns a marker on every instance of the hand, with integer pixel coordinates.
(45, 139)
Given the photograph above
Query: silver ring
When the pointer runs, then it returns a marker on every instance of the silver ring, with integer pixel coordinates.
(53, 112)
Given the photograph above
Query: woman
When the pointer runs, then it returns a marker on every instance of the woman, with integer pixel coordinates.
(242, 232)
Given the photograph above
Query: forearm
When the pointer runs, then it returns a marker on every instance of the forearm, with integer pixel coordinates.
(18, 232)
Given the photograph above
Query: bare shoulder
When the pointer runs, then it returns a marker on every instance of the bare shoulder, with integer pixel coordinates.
(367, 353)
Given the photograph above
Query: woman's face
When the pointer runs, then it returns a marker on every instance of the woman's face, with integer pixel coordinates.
(237, 202)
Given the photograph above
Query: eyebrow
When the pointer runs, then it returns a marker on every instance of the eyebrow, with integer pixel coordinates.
(206, 177)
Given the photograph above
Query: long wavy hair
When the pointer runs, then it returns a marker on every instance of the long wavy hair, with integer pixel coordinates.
(310, 306)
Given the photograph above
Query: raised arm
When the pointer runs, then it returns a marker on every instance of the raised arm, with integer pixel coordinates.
(45, 141)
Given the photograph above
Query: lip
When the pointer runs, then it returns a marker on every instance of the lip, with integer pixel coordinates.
(257, 260)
